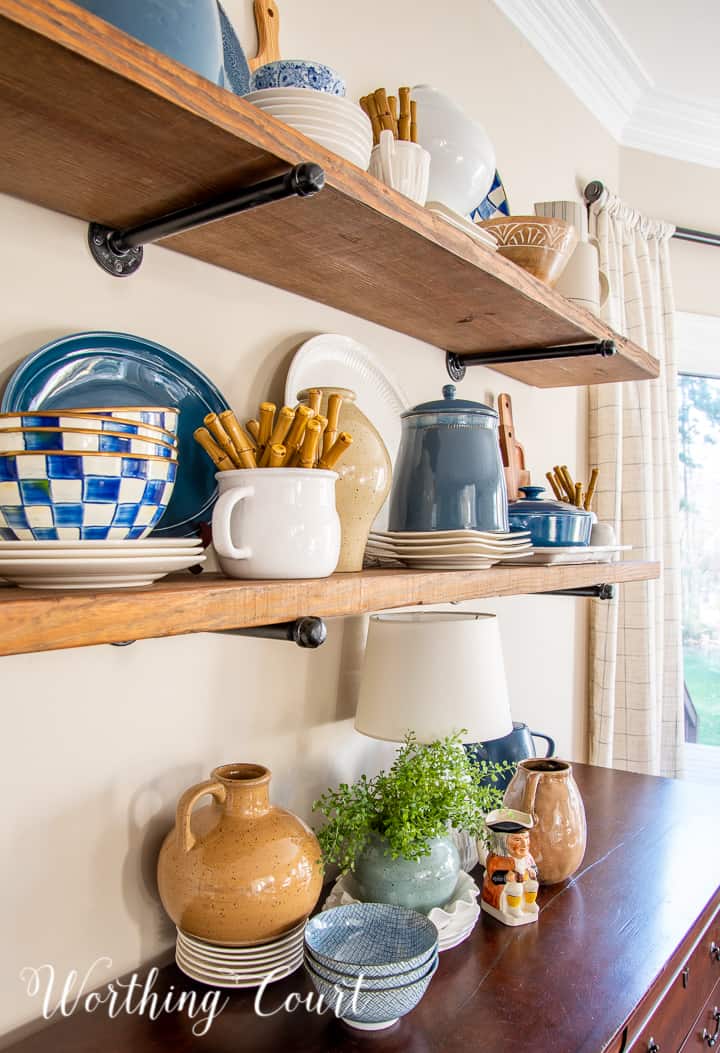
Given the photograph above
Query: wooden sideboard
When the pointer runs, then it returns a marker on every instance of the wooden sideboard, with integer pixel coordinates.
(623, 959)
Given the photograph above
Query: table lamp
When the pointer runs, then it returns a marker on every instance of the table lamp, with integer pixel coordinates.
(433, 673)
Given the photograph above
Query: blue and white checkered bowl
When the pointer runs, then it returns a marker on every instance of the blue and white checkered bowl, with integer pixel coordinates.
(66, 496)
(71, 419)
(297, 73)
(375, 939)
(366, 1008)
(161, 416)
(46, 440)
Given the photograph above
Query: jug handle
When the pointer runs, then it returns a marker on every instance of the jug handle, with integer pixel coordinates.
(550, 742)
(187, 803)
(528, 802)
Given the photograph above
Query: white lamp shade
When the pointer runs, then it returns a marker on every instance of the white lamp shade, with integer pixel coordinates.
(434, 674)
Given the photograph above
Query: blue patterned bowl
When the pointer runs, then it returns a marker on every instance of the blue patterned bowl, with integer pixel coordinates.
(296, 73)
(368, 1009)
(161, 416)
(69, 419)
(45, 440)
(375, 939)
(64, 496)
(372, 983)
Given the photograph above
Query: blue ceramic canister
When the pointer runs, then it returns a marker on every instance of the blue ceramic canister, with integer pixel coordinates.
(552, 524)
(449, 474)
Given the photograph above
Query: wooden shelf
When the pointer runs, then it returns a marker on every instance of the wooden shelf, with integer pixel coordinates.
(97, 125)
(36, 620)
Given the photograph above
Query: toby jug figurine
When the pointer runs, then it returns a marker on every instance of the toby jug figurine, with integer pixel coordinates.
(510, 885)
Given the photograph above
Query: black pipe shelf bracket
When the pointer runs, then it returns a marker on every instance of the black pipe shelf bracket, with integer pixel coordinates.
(595, 592)
(457, 364)
(120, 252)
(306, 632)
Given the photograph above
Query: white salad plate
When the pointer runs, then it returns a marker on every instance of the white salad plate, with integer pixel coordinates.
(180, 543)
(577, 554)
(450, 535)
(104, 571)
(468, 549)
(248, 969)
(236, 981)
(337, 361)
(248, 951)
(465, 226)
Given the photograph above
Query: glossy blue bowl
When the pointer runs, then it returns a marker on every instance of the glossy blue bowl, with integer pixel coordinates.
(297, 73)
(367, 1009)
(63, 496)
(375, 939)
(552, 524)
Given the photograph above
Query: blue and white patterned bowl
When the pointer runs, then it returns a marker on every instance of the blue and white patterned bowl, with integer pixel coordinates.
(297, 73)
(369, 1009)
(70, 419)
(375, 939)
(371, 983)
(161, 416)
(45, 440)
(65, 496)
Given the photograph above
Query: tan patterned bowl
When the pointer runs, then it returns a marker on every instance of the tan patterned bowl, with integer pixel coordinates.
(538, 244)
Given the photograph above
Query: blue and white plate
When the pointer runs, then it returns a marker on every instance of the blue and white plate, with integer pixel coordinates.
(494, 204)
(237, 71)
(117, 369)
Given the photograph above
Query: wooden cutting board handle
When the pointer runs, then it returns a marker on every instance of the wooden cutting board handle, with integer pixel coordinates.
(267, 23)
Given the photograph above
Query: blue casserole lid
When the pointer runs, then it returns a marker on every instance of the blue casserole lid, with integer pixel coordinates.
(450, 404)
(533, 503)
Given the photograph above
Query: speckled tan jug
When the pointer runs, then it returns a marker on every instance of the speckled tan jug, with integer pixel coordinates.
(545, 788)
(238, 870)
(365, 472)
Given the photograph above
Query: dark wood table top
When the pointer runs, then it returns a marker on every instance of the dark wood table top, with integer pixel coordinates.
(565, 985)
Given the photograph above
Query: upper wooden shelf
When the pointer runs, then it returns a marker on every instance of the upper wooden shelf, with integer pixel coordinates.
(36, 620)
(99, 126)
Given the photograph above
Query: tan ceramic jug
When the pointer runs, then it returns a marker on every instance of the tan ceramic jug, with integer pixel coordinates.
(365, 472)
(545, 788)
(238, 870)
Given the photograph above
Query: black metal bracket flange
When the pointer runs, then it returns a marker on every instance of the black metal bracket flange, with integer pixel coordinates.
(120, 252)
(457, 364)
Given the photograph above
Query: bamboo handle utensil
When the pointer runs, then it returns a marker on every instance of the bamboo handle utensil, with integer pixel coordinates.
(333, 455)
(565, 489)
(216, 453)
(413, 122)
(253, 428)
(384, 113)
(333, 413)
(591, 488)
(309, 448)
(214, 425)
(277, 456)
(555, 488)
(267, 23)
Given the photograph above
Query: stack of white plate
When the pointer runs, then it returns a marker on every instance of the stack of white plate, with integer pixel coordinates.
(221, 966)
(95, 564)
(445, 549)
(336, 123)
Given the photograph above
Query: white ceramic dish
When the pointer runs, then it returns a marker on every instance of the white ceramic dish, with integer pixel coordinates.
(357, 121)
(459, 535)
(249, 952)
(334, 360)
(119, 545)
(347, 137)
(453, 548)
(466, 226)
(467, 563)
(336, 103)
(577, 554)
(246, 969)
(238, 983)
(92, 571)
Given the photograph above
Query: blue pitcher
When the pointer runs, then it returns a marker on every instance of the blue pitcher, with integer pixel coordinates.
(516, 746)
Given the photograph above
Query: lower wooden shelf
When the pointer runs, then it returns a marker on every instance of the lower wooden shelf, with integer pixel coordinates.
(35, 620)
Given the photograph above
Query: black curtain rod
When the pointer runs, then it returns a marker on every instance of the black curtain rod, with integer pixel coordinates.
(595, 189)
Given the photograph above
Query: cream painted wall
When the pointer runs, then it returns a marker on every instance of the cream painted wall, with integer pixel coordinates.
(100, 742)
(687, 195)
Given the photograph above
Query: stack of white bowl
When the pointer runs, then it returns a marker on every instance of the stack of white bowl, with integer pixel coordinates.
(336, 123)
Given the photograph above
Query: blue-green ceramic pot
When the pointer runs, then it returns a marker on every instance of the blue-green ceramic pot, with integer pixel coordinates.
(422, 885)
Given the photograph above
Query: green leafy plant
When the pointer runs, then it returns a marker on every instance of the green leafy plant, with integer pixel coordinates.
(427, 789)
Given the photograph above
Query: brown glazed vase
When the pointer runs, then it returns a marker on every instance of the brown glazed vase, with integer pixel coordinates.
(238, 870)
(545, 788)
(365, 472)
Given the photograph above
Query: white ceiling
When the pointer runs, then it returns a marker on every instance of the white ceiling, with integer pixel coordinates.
(648, 69)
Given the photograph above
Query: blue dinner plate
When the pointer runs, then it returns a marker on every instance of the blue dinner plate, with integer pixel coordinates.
(117, 369)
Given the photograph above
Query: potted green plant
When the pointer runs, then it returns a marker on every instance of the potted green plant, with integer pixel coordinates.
(393, 831)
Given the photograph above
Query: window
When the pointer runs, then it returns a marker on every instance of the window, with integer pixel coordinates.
(698, 339)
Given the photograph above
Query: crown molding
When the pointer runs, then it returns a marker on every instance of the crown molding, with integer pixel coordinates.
(582, 45)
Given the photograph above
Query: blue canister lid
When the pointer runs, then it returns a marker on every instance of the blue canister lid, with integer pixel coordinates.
(450, 404)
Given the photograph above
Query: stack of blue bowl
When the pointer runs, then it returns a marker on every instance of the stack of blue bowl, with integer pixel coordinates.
(371, 962)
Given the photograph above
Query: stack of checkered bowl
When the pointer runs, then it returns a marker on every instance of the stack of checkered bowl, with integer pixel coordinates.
(371, 962)
(86, 475)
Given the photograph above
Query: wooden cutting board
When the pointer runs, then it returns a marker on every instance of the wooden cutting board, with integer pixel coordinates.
(513, 453)
(267, 23)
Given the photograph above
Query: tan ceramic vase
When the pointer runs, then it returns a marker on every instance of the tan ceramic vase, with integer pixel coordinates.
(238, 870)
(545, 788)
(365, 472)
